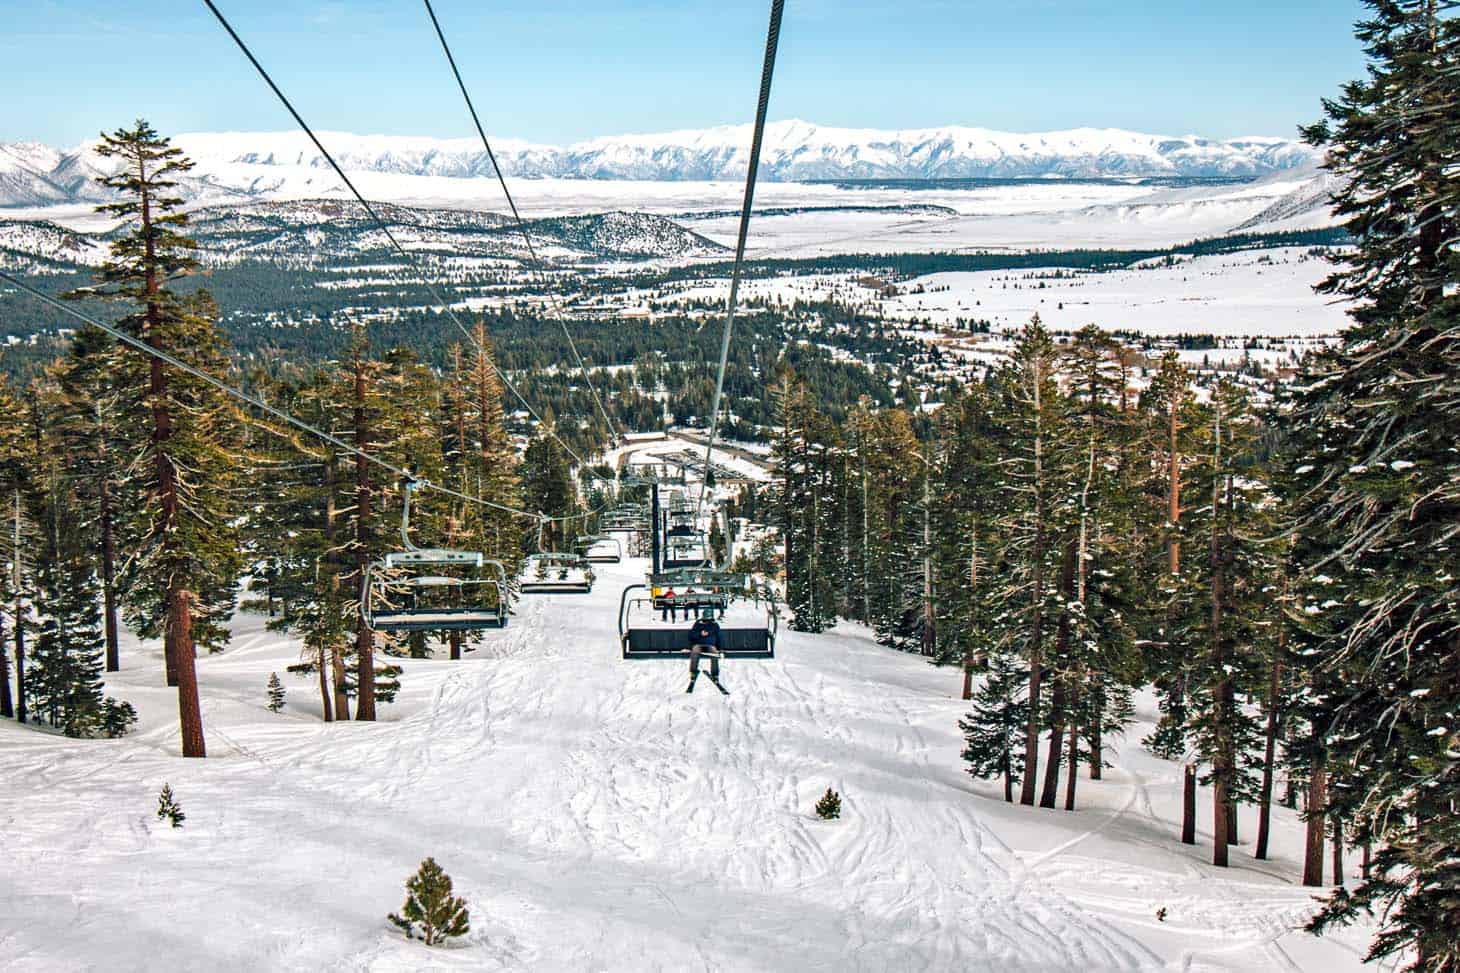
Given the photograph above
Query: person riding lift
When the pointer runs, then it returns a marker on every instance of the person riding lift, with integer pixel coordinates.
(704, 640)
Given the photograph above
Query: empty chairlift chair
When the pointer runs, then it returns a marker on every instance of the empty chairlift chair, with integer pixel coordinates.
(555, 573)
(601, 549)
(433, 589)
(686, 551)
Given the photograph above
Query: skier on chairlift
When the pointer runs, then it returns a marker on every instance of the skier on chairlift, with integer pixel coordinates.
(704, 638)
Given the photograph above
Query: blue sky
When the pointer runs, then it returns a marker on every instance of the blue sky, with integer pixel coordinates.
(560, 70)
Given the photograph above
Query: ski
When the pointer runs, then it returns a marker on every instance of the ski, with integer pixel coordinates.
(718, 686)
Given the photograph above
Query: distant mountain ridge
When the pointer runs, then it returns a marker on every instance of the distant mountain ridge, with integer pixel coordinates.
(260, 164)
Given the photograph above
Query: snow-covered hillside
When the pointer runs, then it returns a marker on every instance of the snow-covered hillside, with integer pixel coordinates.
(597, 818)
(282, 163)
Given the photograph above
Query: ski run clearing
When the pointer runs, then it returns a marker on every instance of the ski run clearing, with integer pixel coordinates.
(596, 817)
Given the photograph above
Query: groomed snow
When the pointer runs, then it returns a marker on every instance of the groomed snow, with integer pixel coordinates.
(597, 818)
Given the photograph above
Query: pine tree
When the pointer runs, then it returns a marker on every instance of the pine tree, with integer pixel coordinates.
(168, 809)
(431, 911)
(495, 465)
(1379, 508)
(967, 495)
(1030, 594)
(829, 807)
(180, 432)
(89, 430)
(548, 488)
(64, 684)
(12, 474)
(1230, 666)
(276, 693)
(803, 470)
(993, 732)
(1173, 419)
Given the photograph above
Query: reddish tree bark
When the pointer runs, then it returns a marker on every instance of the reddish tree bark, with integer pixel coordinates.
(179, 644)
(1188, 804)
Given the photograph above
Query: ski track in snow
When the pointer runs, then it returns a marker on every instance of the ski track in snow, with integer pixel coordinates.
(596, 817)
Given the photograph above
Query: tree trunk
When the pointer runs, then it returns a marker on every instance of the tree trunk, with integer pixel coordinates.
(972, 593)
(7, 707)
(322, 663)
(1221, 824)
(364, 638)
(21, 713)
(1264, 804)
(1173, 496)
(1232, 822)
(1063, 697)
(1036, 627)
(342, 688)
(1224, 765)
(336, 661)
(1056, 744)
(1008, 777)
(1364, 864)
(1074, 771)
(1097, 731)
(179, 645)
(109, 575)
(1313, 850)
(1337, 851)
(455, 639)
(1188, 804)
(929, 635)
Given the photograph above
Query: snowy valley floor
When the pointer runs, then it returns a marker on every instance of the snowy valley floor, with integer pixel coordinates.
(597, 818)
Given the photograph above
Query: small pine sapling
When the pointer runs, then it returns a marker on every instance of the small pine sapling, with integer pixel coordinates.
(431, 912)
(829, 808)
(168, 808)
(276, 693)
(117, 718)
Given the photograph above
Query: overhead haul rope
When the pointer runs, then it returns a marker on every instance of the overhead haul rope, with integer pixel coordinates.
(381, 225)
(258, 403)
(517, 217)
(773, 39)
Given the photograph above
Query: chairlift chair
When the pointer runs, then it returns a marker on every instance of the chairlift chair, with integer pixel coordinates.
(646, 633)
(553, 572)
(601, 549)
(691, 551)
(409, 591)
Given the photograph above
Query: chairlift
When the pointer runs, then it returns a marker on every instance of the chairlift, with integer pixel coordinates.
(687, 551)
(649, 625)
(556, 573)
(601, 549)
(410, 590)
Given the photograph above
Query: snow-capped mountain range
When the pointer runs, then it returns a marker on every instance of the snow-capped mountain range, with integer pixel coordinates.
(256, 164)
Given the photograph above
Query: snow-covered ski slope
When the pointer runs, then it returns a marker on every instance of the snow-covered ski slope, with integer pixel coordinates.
(598, 818)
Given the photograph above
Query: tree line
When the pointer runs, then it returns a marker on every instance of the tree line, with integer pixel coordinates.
(1278, 562)
(143, 493)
